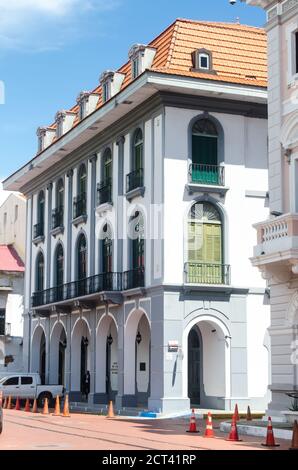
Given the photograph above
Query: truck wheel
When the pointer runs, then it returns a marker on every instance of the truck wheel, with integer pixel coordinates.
(42, 397)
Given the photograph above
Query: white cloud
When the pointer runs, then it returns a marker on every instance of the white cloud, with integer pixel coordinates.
(36, 24)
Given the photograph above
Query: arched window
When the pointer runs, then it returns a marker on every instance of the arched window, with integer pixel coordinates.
(82, 180)
(39, 284)
(138, 241)
(107, 169)
(59, 265)
(40, 214)
(107, 250)
(205, 152)
(205, 250)
(82, 257)
(138, 150)
(60, 195)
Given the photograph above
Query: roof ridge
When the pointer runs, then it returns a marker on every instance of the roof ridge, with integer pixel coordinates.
(221, 23)
(172, 44)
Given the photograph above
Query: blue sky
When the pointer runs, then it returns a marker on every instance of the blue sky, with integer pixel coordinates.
(50, 50)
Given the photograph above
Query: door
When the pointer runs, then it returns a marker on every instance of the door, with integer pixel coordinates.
(84, 353)
(194, 367)
(205, 164)
(11, 387)
(27, 387)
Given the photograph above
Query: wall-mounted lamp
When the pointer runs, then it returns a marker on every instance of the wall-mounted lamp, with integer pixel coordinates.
(139, 338)
(110, 340)
(85, 341)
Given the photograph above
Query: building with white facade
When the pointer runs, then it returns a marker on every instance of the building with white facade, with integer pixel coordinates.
(140, 205)
(276, 253)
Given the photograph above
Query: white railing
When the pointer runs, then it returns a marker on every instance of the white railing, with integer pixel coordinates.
(275, 230)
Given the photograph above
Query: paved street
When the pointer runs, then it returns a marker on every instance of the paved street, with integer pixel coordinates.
(36, 432)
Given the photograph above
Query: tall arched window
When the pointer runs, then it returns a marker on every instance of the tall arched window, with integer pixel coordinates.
(138, 241)
(59, 262)
(58, 213)
(80, 202)
(205, 152)
(82, 258)
(107, 250)
(39, 284)
(107, 169)
(205, 250)
(39, 228)
(138, 150)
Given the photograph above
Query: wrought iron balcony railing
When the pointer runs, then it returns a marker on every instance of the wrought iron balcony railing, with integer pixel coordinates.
(133, 278)
(109, 282)
(207, 174)
(135, 180)
(58, 217)
(80, 205)
(205, 273)
(38, 230)
(104, 192)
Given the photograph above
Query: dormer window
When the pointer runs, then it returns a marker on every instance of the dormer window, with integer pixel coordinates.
(135, 67)
(111, 83)
(64, 122)
(45, 137)
(202, 60)
(141, 58)
(106, 91)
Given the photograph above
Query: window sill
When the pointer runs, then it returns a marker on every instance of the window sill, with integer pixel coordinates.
(193, 188)
(82, 219)
(137, 192)
(57, 230)
(38, 240)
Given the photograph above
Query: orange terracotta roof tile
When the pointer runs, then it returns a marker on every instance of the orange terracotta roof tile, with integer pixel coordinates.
(239, 54)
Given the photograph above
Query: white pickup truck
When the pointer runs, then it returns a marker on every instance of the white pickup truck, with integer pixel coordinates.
(25, 386)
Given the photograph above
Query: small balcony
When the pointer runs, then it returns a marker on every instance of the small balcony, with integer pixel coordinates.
(205, 273)
(213, 175)
(80, 209)
(277, 243)
(38, 232)
(57, 220)
(206, 178)
(135, 184)
(104, 192)
(133, 279)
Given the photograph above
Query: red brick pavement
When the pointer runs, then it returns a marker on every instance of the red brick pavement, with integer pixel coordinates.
(85, 432)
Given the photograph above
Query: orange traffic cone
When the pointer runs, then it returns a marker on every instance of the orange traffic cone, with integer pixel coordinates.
(27, 406)
(9, 403)
(233, 436)
(192, 423)
(236, 413)
(35, 409)
(45, 410)
(270, 441)
(209, 428)
(57, 411)
(294, 445)
(18, 406)
(111, 413)
(248, 414)
(66, 413)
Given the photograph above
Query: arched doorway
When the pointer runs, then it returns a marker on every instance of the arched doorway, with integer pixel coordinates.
(137, 357)
(206, 363)
(106, 360)
(80, 361)
(57, 354)
(38, 358)
(194, 366)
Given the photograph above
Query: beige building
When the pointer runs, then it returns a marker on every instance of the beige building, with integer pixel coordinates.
(276, 253)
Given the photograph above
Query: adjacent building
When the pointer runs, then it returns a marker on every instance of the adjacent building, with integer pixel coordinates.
(140, 205)
(12, 251)
(276, 253)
